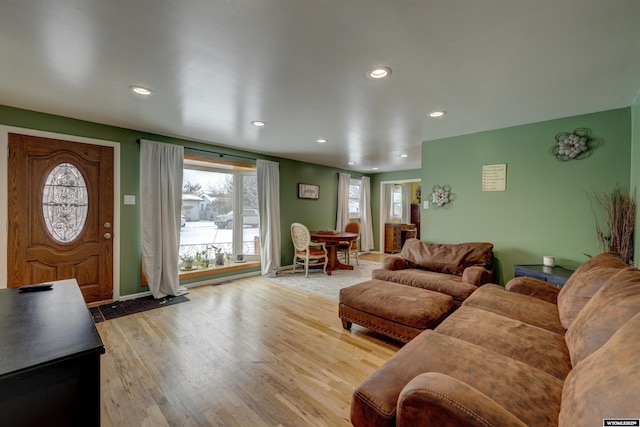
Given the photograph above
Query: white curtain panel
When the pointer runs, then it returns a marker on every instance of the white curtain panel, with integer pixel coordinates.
(160, 205)
(406, 204)
(269, 208)
(342, 217)
(366, 222)
(385, 201)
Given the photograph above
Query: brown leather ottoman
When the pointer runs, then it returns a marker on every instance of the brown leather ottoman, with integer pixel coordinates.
(398, 311)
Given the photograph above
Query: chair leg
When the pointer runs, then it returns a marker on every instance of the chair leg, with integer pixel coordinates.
(357, 262)
(306, 268)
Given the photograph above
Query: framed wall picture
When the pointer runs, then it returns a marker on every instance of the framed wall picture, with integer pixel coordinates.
(308, 191)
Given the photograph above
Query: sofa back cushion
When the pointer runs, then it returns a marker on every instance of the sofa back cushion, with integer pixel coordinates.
(611, 307)
(447, 258)
(584, 283)
(605, 384)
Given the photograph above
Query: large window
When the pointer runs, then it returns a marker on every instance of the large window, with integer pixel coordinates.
(219, 209)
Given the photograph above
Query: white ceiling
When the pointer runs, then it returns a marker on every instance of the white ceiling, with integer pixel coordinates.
(300, 65)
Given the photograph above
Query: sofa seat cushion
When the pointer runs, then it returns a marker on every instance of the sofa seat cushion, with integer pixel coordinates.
(605, 384)
(584, 283)
(516, 306)
(529, 344)
(448, 284)
(530, 394)
(447, 258)
(611, 307)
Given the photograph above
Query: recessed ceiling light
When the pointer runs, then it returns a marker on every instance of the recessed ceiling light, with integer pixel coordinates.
(379, 72)
(321, 140)
(403, 155)
(141, 90)
(351, 163)
(436, 114)
(375, 169)
(258, 123)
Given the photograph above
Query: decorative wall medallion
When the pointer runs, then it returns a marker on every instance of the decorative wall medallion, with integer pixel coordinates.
(576, 145)
(441, 195)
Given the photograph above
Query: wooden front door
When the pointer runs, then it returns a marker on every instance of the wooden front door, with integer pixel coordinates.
(60, 214)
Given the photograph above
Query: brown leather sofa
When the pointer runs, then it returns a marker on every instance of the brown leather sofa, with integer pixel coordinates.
(451, 269)
(529, 354)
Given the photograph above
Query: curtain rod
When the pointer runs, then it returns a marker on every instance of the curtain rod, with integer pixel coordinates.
(220, 154)
(215, 152)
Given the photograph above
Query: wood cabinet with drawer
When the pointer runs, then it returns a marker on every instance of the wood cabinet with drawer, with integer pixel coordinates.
(395, 236)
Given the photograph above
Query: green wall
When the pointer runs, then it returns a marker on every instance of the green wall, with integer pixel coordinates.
(545, 209)
(315, 213)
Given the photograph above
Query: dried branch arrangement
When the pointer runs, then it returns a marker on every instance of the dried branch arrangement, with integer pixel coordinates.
(618, 216)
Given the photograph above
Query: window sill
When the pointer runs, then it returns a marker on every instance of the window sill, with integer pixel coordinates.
(227, 268)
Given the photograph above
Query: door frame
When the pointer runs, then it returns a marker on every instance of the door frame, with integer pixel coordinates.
(382, 208)
(4, 177)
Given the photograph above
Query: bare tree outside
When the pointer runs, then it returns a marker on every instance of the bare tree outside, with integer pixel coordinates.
(222, 192)
(250, 193)
(192, 188)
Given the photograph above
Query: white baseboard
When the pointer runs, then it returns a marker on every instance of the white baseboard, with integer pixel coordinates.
(216, 281)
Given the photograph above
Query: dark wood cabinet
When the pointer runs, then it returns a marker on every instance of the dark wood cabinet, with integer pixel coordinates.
(555, 275)
(50, 363)
(415, 217)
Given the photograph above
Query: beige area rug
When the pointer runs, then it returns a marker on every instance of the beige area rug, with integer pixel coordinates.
(326, 286)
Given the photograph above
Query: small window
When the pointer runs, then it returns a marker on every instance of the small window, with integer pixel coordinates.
(395, 211)
(354, 199)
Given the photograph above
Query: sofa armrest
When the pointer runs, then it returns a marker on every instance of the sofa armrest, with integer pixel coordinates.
(438, 399)
(394, 262)
(534, 288)
(476, 275)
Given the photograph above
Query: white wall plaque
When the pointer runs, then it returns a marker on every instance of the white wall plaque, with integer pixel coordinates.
(494, 177)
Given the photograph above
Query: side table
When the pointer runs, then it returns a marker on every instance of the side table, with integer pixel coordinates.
(557, 275)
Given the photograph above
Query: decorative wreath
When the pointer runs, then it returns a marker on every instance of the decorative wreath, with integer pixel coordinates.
(576, 145)
(441, 195)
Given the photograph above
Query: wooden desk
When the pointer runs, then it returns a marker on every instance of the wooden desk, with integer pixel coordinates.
(332, 241)
(49, 358)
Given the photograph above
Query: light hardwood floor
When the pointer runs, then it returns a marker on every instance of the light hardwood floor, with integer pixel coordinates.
(245, 353)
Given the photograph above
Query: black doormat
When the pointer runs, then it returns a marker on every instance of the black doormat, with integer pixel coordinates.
(124, 308)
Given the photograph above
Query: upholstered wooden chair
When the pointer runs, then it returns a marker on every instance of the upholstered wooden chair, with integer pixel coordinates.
(350, 248)
(305, 250)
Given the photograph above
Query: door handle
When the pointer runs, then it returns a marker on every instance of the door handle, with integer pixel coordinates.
(107, 236)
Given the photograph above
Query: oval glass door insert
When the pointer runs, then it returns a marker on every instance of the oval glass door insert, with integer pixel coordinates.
(64, 202)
